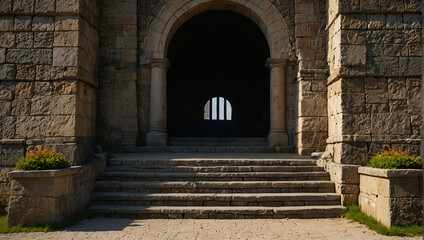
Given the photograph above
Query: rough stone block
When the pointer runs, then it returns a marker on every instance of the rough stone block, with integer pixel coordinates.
(397, 88)
(6, 93)
(414, 102)
(410, 66)
(23, 23)
(353, 103)
(379, 96)
(23, 6)
(388, 66)
(68, 6)
(43, 72)
(355, 124)
(42, 24)
(398, 106)
(2, 55)
(6, 23)
(11, 154)
(53, 105)
(66, 39)
(312, 124)
(129, 55)
(63, 88)
(43, 39)
(7, 72)
(343, 173)
(67, 23)
(21, 107)
(25, 72)
(370, 6)
(65, 56)
(43, 88)
(32, 56)
(7, 39)
(126, 42)
(9, 127)
(351, 153)
(375, 83)
(354, 21)
(353, 55)
(24, 90)
(389, 50)
(392, 6)
(353, 37)
(376, 21)
(45, 6)
(31, 126)
(6, 6)
(24, 40)
(406, 210)
(5, 108)
(394, 21)
(390, 124)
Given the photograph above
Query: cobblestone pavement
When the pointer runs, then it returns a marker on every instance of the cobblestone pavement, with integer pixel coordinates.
(118, 228)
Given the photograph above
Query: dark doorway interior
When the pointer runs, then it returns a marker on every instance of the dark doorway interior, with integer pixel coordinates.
(218, 54)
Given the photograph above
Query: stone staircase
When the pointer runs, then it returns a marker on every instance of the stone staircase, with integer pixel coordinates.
(214, 185)
(215, 145)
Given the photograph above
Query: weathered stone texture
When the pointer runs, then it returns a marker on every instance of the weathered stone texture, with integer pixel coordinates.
(64, 192)
(394, 197)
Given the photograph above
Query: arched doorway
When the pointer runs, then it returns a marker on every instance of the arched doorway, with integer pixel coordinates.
(167, 22)
(218, 55)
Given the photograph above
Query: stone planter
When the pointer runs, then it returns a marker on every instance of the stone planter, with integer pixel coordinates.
(393, 197)
(48, 196)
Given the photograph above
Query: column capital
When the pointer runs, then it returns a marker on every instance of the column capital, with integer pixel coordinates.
(160, 63)
(275, 62)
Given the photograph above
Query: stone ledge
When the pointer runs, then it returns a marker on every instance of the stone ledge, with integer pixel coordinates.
(390, 172)
(12, 141)
(44, 173)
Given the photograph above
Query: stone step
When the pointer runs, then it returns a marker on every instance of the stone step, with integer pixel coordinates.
(194, 149)
(218, 139)
(212, 162)
(214, 186)
(217, 212)
(215, 199)
(220, 176)
(165, 168)
(218, 144)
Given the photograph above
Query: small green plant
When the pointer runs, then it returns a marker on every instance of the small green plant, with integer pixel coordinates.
(319, 150)
(42, 160)
(67, 222)
(354, 213)
(395, 159)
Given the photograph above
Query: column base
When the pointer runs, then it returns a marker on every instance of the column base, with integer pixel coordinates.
(278, 139)
(156, 139)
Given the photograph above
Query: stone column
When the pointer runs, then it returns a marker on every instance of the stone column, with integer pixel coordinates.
(157, 135)
(277, 134)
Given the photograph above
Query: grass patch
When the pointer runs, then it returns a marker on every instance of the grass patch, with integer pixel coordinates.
(353, 212)
(68, 222)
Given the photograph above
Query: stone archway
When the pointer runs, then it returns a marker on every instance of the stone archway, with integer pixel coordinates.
(172, 15)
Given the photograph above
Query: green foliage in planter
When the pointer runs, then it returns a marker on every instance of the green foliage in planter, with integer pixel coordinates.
(42, 160)
(395, 159)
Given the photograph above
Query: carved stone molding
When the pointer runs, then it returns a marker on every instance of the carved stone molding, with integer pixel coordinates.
(273, 62)
(160, 63)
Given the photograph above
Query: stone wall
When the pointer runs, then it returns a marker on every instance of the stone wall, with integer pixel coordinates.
(118, 73)
(48, 79)
(374, 56)
(311, 76)
(48, 196)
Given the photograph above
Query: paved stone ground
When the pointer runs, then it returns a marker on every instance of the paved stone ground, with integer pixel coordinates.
(118, 228)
